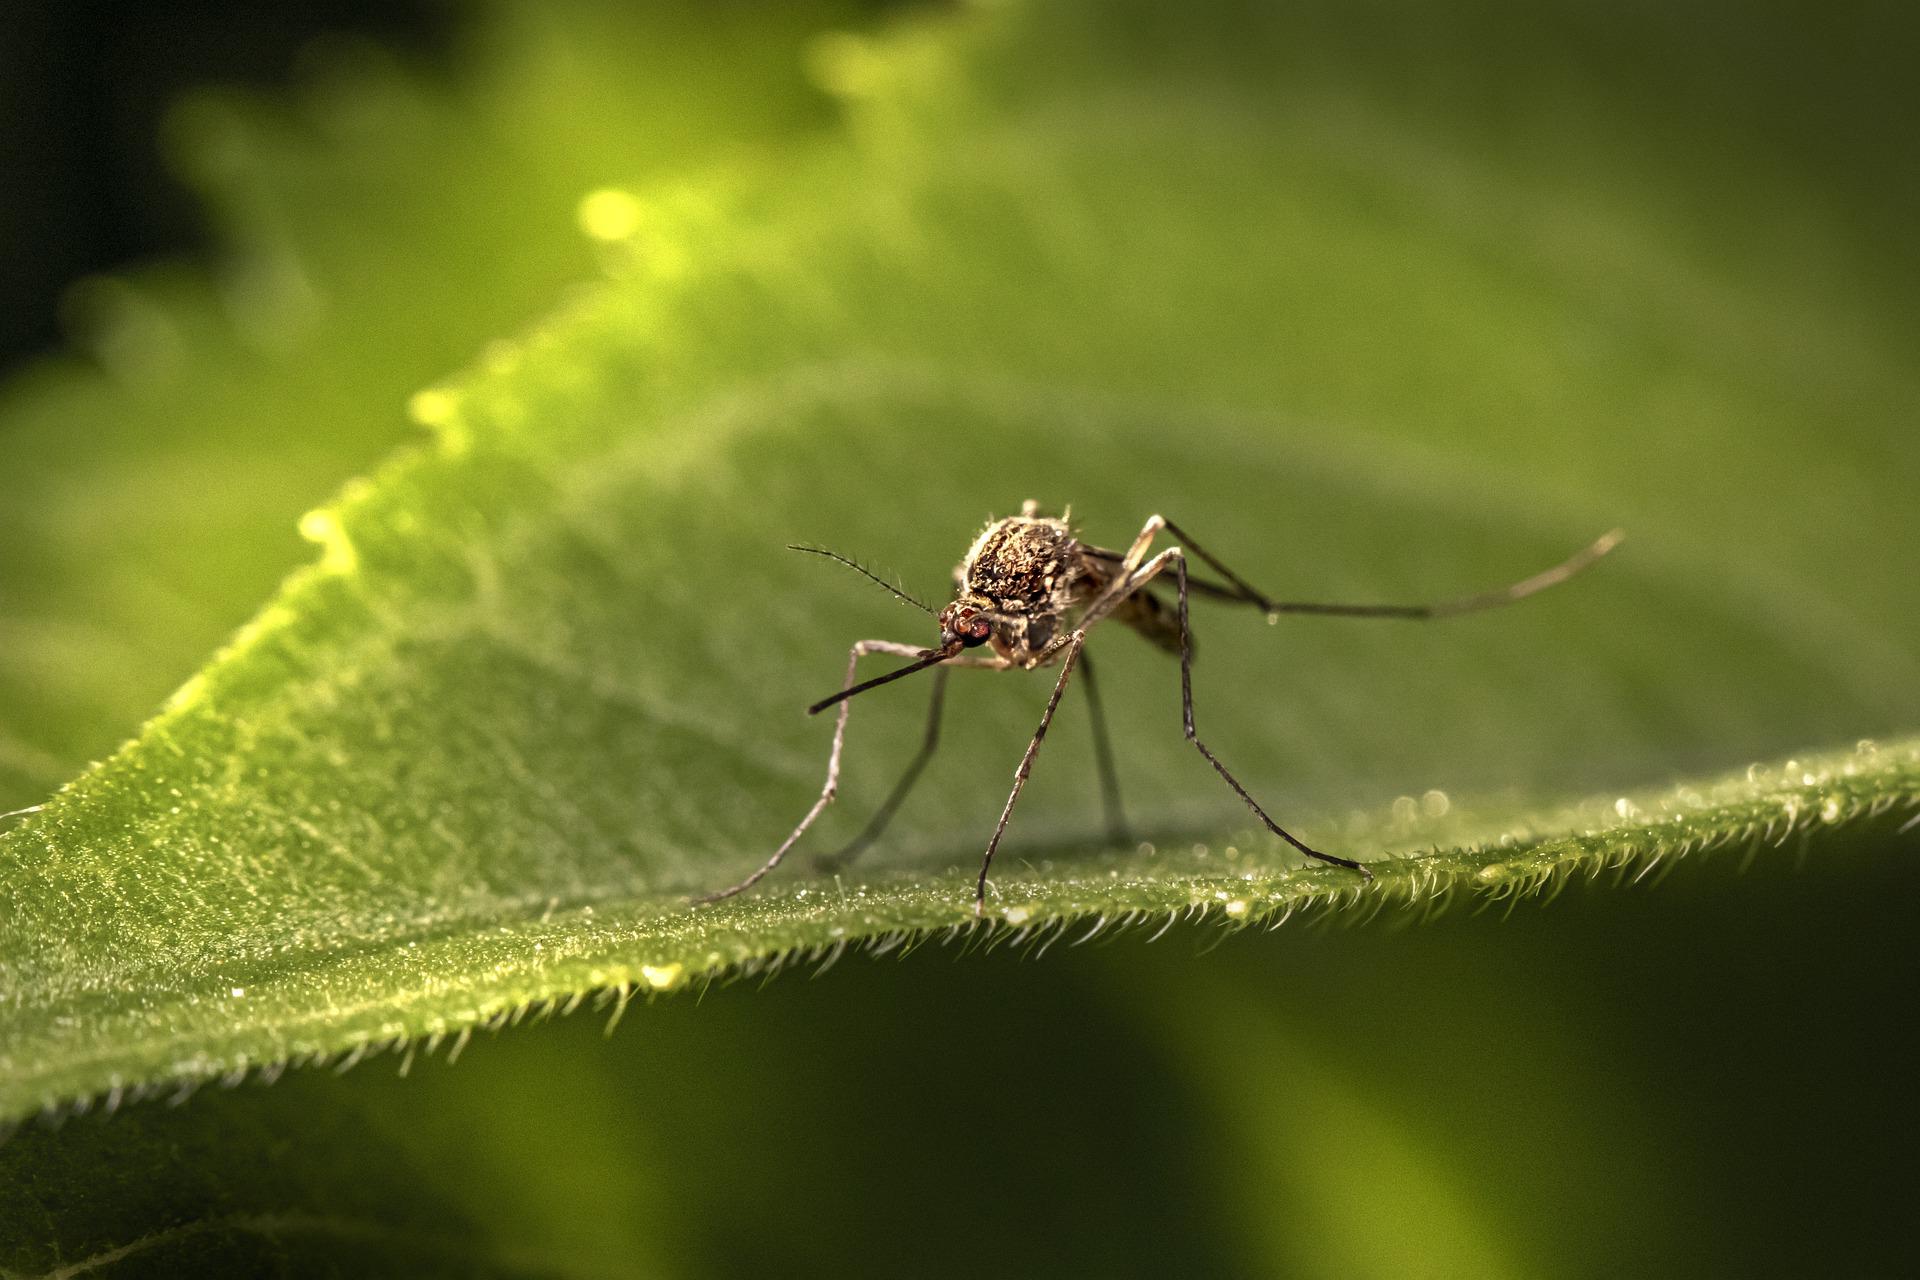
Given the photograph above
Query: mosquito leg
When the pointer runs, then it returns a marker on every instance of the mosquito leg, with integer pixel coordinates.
(1137, 581)
(1186, 711)
(1103, 758)
(1119, 587)
(1241, 589)
(859, 650)
(877, 826)
(1142, 540)
(1072, 648)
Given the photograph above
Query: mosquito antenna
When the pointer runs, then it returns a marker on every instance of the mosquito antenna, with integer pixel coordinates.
(933, 657)
(864, 572)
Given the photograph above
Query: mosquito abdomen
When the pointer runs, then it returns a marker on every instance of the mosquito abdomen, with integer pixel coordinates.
(1152, 618)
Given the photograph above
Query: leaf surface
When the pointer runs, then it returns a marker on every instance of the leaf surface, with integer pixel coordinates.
(381, 225)
(545, 680)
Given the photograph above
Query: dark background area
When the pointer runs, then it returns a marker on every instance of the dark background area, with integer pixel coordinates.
(84, 89)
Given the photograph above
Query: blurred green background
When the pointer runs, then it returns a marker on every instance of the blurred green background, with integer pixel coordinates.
(1699, 1077)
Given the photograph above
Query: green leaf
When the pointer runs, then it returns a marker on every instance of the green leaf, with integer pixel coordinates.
(1121, 1109)
(544, 682)
(382, 228)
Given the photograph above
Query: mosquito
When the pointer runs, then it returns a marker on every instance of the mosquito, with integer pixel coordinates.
(1029, 592)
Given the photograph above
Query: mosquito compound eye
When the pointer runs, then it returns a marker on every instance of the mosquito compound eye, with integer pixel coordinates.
(974, 633)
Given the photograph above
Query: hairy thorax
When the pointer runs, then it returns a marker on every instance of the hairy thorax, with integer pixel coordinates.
(1027, 572)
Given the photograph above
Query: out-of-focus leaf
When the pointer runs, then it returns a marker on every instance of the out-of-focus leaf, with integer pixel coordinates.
(382, 228)
(543, 683)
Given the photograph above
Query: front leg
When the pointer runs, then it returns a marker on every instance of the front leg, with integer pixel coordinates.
(1071, 646)
(833, 863)
(859, 650)
(877, 825)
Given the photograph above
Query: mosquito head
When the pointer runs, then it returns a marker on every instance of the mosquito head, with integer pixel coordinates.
(966, 622)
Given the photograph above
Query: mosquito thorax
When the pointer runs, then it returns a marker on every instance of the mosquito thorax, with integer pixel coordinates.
(1026, 571)
(1023, 564)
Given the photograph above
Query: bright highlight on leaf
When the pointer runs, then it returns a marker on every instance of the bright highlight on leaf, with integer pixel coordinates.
(610, 215)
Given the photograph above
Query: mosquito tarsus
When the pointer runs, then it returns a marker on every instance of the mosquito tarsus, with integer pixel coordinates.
(1028, 593)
